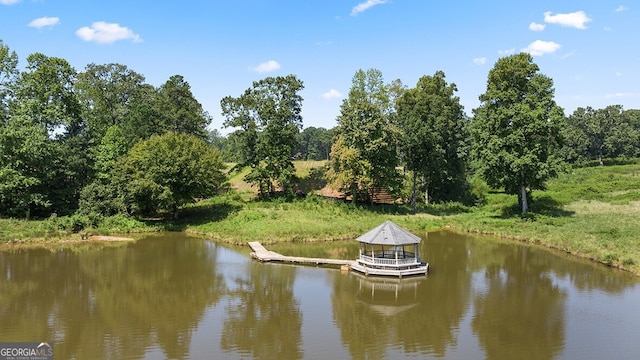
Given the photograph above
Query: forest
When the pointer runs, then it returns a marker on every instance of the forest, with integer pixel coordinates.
(101, 141)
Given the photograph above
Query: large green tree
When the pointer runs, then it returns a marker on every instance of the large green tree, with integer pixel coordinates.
(179, 110)
(45, 92)
(433, 124)
(167, 171)
(364, 152)
(25, 168)
(105, 92)
(268, 118)
(516, 129)
(45, 97)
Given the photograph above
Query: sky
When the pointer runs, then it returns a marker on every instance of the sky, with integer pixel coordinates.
(591, 49)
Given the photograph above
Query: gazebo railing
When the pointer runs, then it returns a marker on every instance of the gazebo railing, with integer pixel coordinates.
(387, 261)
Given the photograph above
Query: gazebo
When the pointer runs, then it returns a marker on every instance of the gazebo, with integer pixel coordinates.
(389, 250)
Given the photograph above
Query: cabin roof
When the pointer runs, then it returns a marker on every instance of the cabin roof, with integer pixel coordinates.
(389, 233)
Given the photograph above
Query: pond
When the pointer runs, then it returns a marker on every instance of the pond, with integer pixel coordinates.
(172, 296)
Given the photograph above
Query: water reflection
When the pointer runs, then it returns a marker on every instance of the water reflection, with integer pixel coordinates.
(418, 315)
(174, 296)
(113, 303)
(263, 317)
(520, 311)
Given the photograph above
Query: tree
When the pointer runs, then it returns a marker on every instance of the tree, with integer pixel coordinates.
(25, 167)
(226, 145)
(8, 77)
(45, 92)
(433, 125)
(45, 98)
(102, 196)
(364, 153)
(516, 129)
(268, 117)
(314, 143)
(632, 146)
(600, 133)
(167, 171)
(105, 92)
(112, 147)
(179, 110)
(145, 116)
(627, 135)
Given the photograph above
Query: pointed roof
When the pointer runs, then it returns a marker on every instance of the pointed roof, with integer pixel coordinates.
(389, 233)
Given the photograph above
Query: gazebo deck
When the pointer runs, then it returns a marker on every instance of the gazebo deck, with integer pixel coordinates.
(397, 271)
(384, 251)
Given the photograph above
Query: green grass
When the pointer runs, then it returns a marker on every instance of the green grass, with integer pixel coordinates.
(310, 219)
(591, 212)
(55, 229)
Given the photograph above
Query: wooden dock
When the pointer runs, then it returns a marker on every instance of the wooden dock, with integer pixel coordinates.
(262, 254)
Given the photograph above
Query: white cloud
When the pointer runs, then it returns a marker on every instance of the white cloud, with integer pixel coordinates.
(366, 6)
(621, 8)
(331, 94)
(536, 27)
(540, 47)
(480, 61)
(9, 2)
(106, 33)
(268, 66)
(44, 21)
(576, 19)
(506, 52)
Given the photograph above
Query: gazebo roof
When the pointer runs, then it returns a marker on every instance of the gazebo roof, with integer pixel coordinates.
(389, 233)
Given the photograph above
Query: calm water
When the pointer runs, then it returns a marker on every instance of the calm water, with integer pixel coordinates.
(180, 297)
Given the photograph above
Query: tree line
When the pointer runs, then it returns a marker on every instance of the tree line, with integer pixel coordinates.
(102, 141)
(99, 141)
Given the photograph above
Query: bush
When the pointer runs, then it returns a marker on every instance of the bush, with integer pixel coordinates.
(74, 223)
(479, 190)
(122, 223)
(98, 198)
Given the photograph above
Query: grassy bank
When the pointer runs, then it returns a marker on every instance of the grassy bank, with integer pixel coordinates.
(590, 212)
(311, 219)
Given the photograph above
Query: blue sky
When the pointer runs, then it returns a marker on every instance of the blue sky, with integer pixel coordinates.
(591, 49)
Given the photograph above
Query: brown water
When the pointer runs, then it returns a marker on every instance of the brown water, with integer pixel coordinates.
(178, 297)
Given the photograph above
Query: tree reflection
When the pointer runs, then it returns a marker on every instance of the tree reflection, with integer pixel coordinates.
(521, 312)
(263, 317)
(113, 303)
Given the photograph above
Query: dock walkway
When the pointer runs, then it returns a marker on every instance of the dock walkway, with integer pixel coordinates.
(262, 254)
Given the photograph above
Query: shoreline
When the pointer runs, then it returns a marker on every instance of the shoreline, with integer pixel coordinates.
(38, 243)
